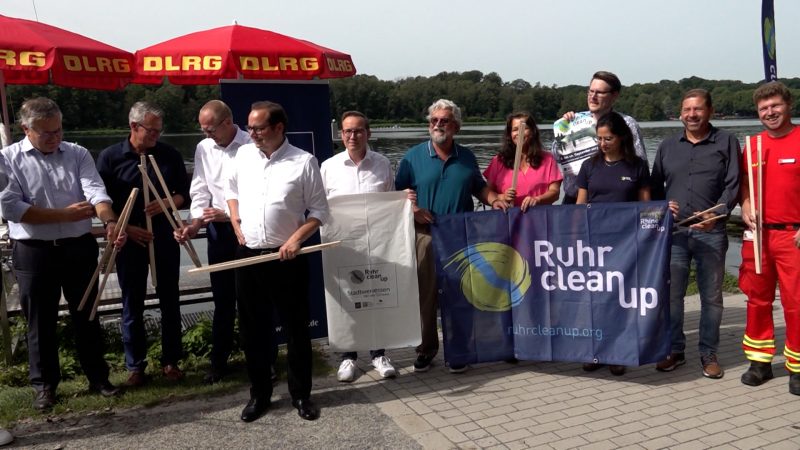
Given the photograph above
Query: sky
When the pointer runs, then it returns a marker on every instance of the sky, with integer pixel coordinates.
(550, 42)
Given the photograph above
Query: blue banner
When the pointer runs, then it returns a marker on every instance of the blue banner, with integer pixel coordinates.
(584, 283)
(768, 40)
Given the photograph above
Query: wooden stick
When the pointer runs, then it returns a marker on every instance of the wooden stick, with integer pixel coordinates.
(518, 154)
(175, 212)
(688, 219)
(710, 219)
(170, 219)
(124, 216)
(259, 259)
(760, 206)
(107, 252)
(753, 212)
(151, 248)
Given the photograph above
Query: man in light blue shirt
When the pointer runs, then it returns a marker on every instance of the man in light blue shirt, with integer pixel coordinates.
(54, 191)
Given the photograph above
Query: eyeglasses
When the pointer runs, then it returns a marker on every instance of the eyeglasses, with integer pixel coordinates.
(352, 131)
(440, 121)
(258, 130)
(593, 92)
(213, 129)
(49, 134)
(153, 131)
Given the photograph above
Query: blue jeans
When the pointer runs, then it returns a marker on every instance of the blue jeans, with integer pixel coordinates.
(708, 251)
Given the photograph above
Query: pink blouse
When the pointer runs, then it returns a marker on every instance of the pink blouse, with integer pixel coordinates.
(531, 183)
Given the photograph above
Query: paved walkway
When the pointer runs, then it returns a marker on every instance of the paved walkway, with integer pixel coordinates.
(498, 405)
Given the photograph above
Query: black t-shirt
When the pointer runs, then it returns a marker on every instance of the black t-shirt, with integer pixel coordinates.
(619, 181)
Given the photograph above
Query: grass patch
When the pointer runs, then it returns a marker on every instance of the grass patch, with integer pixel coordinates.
(74, 397)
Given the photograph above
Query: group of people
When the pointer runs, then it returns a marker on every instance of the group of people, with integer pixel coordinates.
(256, 194)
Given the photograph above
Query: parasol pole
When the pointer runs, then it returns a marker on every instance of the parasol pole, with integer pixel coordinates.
(5, 126)
(259, 259)
(175, 212)
(146, 179)
(518, 154)
(151, 249)
(108, 250)
(753, 211)
(124, 217)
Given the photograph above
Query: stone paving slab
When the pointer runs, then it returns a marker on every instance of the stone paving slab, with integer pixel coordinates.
(499, 405)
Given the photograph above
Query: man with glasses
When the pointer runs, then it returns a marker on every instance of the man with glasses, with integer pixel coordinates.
(53, 192)
(211, 160)
(575, 139)
(780, 246)
(271, 186)
(118, 165)
(445, 176)
(354, 171)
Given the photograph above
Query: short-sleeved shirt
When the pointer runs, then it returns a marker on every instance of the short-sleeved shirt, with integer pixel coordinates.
(781, 172)
(619, 181)
(341, 176)
(443, 187)
(119, 167)
(531, 183)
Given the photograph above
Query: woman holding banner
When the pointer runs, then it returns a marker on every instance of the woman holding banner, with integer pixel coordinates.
(538, 179)
(614, 174)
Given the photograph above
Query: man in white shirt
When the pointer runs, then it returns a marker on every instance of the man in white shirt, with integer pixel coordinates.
(356, 171)
(211, 160)
(271, 186)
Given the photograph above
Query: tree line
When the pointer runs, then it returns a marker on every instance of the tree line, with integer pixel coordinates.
(482, 97)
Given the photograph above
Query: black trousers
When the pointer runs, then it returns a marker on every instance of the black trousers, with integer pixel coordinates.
(261, 289)
(43, 270)
(222, 246)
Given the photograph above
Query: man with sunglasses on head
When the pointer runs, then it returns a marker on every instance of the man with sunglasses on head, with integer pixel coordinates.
(445, 176)
(53, 193)
(276, 201)
(212, 159)
(575, 139)
(119, 167)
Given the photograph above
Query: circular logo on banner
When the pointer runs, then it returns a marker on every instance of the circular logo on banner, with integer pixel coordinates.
(357, 276)
(494, 276)
(769, 37)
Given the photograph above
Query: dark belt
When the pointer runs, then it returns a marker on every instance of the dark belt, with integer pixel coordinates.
(782, 226)
(62, 242)
(259, 251)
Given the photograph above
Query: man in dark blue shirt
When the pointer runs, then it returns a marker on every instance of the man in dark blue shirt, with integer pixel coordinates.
(118, 166)
(698, 168)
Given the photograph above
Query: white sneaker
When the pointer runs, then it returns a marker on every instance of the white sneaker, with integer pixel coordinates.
(5, 437)
(384, 367)
(347, 371)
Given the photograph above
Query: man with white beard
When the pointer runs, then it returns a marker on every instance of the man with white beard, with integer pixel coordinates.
(445, 176)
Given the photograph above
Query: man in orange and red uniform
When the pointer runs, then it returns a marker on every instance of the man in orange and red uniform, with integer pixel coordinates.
(780, 144)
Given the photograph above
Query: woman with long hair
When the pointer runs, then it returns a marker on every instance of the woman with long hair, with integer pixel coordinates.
(538, 181)
(613, 174)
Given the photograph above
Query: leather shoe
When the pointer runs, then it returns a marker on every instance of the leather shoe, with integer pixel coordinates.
(45, 399)
(214, 375)
(172, 372)
(757, 374)
(104, 388)
(136, 378)
(255, 408)
(306, 409)
(794, 383)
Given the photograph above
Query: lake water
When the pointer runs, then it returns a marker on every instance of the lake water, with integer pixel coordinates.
(484, 140)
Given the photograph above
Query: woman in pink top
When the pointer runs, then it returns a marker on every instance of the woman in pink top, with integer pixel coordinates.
(538, 181)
